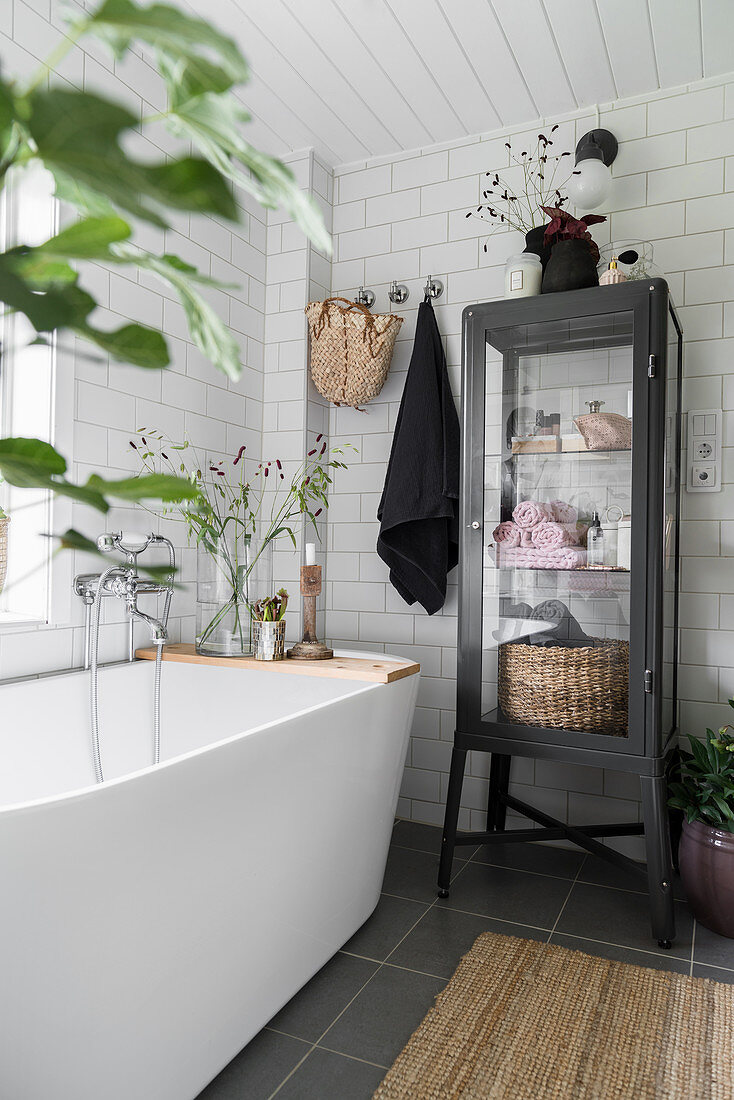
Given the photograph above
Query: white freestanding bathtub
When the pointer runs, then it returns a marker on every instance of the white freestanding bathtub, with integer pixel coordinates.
(150, 926)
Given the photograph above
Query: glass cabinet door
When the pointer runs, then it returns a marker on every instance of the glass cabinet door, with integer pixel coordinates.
(561, 606)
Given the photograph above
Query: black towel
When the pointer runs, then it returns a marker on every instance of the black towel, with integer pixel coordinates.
(419, 509)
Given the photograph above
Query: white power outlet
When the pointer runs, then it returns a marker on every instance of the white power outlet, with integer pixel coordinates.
(704, 451)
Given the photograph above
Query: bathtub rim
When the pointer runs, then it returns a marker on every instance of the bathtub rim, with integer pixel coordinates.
(360, 686)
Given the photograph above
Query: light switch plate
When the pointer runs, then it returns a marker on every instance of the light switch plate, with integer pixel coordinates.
(704, 451)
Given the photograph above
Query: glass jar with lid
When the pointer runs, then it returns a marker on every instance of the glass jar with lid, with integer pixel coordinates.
(523, 275)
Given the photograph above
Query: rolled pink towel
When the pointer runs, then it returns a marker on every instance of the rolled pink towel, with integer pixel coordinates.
(553, 536)
(529, 513)
(507, 534)
(563, 512)
(526, 537)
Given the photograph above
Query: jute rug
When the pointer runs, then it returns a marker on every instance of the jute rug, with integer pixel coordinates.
(526, 1021)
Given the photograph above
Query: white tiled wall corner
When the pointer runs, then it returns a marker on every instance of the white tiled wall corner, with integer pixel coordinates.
(671, 187)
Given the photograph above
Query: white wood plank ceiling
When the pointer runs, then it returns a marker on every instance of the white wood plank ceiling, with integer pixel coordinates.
(362, 78)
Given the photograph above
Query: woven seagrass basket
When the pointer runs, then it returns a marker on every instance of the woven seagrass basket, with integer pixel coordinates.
(4, 521)
(564, 688)
(351, 350)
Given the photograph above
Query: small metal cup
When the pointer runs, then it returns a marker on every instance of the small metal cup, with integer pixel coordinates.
(268, 640)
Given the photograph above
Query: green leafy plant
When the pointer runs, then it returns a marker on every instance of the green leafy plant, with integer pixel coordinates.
(704, 788)
(271, 609)
(77, 136)
(233, 517)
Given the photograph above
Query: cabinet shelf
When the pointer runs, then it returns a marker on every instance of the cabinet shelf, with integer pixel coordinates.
(587, 456)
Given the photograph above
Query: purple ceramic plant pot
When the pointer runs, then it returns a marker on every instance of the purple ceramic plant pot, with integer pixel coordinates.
(706, 857)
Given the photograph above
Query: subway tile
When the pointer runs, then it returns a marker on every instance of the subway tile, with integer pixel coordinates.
(455, 193)
(692, 251)
(419, 232)
(710, 142)
(685, 182)
(677, 112)
(714, 284)
(648, 154)
(364, 184)
(710, 213)
(394, 207)
(419, 171)
(364, 242)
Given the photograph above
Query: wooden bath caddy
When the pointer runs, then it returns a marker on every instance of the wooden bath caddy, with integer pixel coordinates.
(340, 668)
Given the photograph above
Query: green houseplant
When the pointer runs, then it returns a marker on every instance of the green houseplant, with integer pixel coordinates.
(77, 136)
(704, 791)
(235, 521)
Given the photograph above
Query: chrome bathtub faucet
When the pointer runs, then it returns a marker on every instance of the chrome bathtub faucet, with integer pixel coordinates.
(123, 582)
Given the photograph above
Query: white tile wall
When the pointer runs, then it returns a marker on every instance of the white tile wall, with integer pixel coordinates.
(670, 188)
(112, 400)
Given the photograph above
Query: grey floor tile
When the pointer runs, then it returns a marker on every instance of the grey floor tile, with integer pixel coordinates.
(541, 858)
(325, 1075)
(412, 874)
(437, 944)
(623, 954)
(601, 873)
(378, 1024)
(617, 916)
(309, 1013)
(507, 894)
(258, 1069)
(716, 973)
(412, 834)
(384, 930)
(713, 949)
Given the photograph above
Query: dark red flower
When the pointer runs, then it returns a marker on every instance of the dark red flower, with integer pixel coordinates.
(278, 464)
(145, 441)
(214, 469)
(323, 448)
(319, 437)
(239, 454)
(313, 452)
(164, 455)
(267, 471)
(133, 445)
(317, 512)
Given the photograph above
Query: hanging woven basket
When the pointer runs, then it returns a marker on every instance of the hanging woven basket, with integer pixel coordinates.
(351, 350)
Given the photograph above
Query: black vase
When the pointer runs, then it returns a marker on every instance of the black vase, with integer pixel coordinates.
(571, 267)
(534, 243)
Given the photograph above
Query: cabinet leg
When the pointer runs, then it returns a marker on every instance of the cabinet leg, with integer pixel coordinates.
(451, 818)
(659, 858)
(499, 782)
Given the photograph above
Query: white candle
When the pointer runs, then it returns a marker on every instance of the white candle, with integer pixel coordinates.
(310, 553)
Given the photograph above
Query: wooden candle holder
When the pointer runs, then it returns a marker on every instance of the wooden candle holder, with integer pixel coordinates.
(310, 648)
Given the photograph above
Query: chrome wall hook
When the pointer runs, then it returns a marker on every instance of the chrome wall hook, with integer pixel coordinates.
(365, 297)
(398, 293)
(433, 287)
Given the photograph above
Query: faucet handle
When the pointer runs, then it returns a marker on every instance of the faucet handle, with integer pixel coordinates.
(108, 542)
(133, 542)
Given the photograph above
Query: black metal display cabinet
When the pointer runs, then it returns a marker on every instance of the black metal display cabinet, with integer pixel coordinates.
(568, 644)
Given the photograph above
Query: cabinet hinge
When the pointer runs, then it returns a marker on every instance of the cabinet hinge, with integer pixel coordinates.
(648, 681)
(652, 366)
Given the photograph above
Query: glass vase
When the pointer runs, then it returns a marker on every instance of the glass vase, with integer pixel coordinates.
(232, 574)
